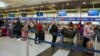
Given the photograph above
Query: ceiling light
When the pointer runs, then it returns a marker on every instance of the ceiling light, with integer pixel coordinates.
(53, 5)
(41, 6)
(67, 3)
(2, 4)
(84, 2)
(24, 8)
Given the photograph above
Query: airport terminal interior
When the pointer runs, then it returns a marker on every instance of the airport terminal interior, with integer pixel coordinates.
(49, 27)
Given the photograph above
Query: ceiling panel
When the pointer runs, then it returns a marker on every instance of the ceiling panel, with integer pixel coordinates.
(16, 3)
(22, 3)
(26, 5)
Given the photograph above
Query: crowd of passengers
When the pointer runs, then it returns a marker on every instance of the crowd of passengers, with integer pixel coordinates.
(21, 30)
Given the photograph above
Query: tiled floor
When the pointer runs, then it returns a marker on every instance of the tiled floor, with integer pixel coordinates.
(98, 48)
(62, 52)
(14, 47)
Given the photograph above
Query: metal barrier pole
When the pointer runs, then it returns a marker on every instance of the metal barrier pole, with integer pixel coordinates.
(27, 47)
(74, 40)
(95, 46)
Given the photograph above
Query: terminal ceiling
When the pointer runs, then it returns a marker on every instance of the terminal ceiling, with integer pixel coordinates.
(36, 5)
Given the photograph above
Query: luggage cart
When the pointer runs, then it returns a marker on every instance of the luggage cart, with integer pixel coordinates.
(70, 37)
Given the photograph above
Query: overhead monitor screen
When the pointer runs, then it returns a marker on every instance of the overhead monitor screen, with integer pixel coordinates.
(39, 13)
(62, 13)
(24, 14)
(11, 15)
(93, 13)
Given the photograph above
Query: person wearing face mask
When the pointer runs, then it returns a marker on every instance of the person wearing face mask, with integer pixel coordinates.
(87, 33)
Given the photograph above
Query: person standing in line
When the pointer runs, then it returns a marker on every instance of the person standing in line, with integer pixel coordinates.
(11, 29)
(36, 33)
(53, 31)
(79, 25)
(17, 28)
(1, 23)
(39, 29)
(31, 27)
(71, 26)
(88, 32)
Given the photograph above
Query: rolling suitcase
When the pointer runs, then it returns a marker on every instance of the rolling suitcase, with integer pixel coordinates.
(0, 32)
(90, 46)
(3, 31)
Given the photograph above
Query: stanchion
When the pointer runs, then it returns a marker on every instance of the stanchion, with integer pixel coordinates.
(95, 46)
(27, 46)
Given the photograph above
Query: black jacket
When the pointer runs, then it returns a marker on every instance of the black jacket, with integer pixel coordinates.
(54, 28)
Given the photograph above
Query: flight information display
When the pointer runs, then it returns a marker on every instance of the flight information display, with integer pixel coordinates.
(24, 15)
(62, 13)
(39, 13)
(11, 15)
(93, 13)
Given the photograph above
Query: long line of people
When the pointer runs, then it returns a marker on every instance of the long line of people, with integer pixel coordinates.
(19, 30)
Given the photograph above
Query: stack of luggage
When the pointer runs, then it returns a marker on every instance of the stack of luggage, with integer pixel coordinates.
(68, 35)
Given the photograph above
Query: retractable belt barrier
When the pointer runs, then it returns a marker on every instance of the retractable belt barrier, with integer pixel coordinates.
(69, 46)
(65, 46)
